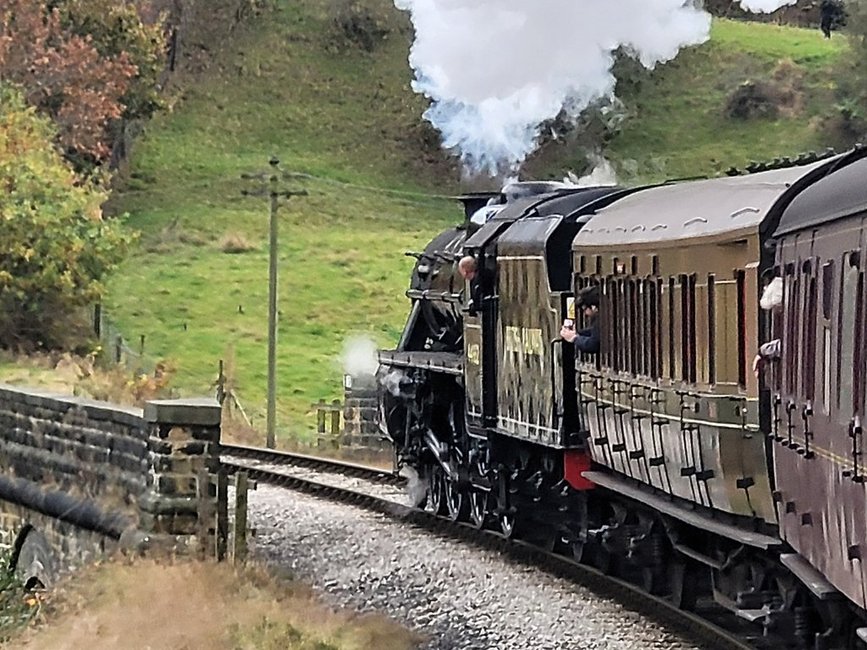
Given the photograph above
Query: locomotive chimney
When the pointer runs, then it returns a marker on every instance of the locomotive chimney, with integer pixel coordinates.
(475, 201)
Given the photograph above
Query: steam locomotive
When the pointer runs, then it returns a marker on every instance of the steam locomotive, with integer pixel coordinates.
(663, 458)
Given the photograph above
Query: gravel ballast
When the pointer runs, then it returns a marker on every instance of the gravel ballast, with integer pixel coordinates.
(459, 597)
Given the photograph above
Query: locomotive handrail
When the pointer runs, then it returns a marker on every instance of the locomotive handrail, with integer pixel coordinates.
(556, 415)
(440, 296)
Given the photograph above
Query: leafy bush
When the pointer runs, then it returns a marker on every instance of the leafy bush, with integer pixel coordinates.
(17, 605)
(64, 76)
(56, 246)
(116, 30)
(360, 23)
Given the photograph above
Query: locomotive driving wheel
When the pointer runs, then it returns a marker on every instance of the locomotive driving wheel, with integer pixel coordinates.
(479, 508)
(479, 500)
(508, 524)
(456, 497)
(457, 505)
(436, 486)
(505, 510)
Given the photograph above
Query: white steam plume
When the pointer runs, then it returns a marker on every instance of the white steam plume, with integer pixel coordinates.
(497, 69)
(765, 6)
(359, 357)
(602, 174)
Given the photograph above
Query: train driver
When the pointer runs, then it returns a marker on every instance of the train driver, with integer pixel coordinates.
(467, 267)
(587, 339)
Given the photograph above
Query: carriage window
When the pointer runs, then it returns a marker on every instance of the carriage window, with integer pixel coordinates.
(827, 289)
(790, 342)
(826, 369)
(809, 355)
(711, 329)
(687, 321)
(634, 326)
(741, 282)
(614, 331)
(857, 366)
(650, 320)
(846, 333)
(671, 329)
(657, 334)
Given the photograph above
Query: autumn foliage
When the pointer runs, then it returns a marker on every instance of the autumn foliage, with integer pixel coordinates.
(71, 65)
(56, 246)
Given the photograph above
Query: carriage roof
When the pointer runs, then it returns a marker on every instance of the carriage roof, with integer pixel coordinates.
(691, 209)
(841, 193)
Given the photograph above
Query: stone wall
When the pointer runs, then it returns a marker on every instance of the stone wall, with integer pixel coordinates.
(360, 404)
(79, 477)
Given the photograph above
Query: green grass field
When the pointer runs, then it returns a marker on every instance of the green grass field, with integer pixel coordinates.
(277, 87)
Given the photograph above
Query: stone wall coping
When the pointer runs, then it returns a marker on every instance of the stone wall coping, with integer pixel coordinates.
(57, 401)
(201, 411)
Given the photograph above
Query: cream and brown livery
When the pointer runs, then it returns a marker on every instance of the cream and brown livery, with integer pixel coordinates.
(662, 457)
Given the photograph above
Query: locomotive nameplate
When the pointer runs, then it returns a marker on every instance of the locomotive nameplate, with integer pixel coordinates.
(524, 340)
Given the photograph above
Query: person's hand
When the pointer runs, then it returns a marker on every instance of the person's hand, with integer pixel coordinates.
(758, 362)
(568, 334)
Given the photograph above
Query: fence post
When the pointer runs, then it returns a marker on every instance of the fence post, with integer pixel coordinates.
(97, 320)
(206, 513)
(320, 417)
(222, 514)
(240, 538)
(118, 349)
(335, 422)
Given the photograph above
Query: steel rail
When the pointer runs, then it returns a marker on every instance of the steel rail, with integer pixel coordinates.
(329, 465)
(690, 624)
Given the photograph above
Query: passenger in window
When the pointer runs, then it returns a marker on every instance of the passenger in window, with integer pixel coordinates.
(772, 301)
(587, 339)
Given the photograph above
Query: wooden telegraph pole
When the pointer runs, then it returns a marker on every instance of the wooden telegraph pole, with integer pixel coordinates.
(272, 190)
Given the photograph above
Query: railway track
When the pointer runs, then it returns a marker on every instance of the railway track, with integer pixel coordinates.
(380, 491)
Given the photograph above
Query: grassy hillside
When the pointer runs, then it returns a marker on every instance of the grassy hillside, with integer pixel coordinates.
(675, 121)
(277, 88)
(350, 119)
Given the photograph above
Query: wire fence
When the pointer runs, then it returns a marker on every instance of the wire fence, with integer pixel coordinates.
(346, 424)
(119, 350)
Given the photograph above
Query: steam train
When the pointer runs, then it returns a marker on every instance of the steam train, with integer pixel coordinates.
(663, 458)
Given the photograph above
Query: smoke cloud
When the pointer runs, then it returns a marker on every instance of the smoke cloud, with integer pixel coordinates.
(496, 69)
(360, 357)
(765, 6)
(603, 173)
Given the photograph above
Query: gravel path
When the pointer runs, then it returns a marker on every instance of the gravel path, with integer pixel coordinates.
(458, 596)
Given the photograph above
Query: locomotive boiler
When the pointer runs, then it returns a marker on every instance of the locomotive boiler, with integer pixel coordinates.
(662, 458)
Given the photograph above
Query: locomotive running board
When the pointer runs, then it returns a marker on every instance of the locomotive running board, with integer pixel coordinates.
(447, 363)
(663, 505)
(812, 579)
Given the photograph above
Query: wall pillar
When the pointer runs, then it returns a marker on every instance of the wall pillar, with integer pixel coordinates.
(183, 440)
